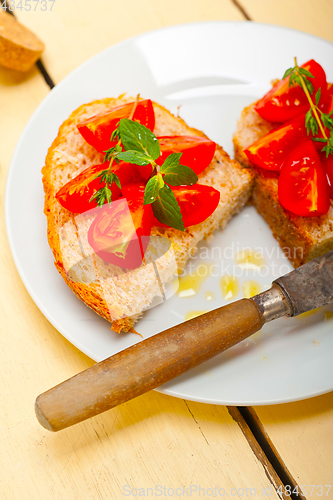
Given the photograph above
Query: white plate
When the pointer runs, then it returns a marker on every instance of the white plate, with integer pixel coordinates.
(212, 70)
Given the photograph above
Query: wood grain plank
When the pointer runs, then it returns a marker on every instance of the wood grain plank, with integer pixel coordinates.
(302, 433)
(88, 27)
(273, 455)
(20, 94)
(314, 17)
(96, 459)
(270, 471)
(150, 441)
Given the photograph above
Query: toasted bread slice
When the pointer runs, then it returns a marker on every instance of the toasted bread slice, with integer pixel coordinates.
(301, 238)
(121, 298)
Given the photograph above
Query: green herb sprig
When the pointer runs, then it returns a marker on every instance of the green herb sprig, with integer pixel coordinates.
(315, 118)
(142, 148)
(138, 145)
(107, 177)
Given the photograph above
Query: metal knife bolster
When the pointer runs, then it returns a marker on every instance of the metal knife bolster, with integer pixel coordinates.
(272, 303)
(306, 288)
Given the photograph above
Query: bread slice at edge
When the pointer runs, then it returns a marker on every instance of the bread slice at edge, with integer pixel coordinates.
(70, 154)
(301, 238)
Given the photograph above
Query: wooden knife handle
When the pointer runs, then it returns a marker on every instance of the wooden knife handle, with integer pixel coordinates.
(147, 365)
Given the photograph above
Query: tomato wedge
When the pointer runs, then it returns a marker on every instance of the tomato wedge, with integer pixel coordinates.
(327, 163)
(75, 194)
(196, 203)
(327, 104)
(97, 130)
(272, 149)
(197, 152)
(303, 186)
(283, 103)
(117, 235)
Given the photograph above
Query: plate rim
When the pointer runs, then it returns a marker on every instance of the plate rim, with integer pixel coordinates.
(254, 25)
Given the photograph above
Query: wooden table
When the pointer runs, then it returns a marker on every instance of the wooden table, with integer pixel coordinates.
(169, 445)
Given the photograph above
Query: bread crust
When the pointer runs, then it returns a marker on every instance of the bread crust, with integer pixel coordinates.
(69, 154)
(301, 238)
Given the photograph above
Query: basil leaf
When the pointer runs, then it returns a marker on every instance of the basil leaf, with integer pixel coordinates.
(317, 96)
(152, 188)
(166, 209)
(314, 126)
(108, 154)
(287, 73)
(305, 72)
(180, 175)
(327, 149)
(309, 86)
(135, 136)
(171, 161)
(327, 120)
(294, 78)
(115, 134)
(308, 117)
(175, 174)
(134, 157)
(319, 139)
(108, 194)
(116, 180)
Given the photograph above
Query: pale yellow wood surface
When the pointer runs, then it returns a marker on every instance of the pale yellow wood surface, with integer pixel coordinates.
(76, 30)
(155, 440)
(303, 434)
(302, 431)
(151, 441)
(311, 16)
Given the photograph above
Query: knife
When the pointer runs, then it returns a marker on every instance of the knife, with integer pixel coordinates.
(164, 356)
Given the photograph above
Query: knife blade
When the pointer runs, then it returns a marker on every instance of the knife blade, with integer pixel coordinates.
(166, 355)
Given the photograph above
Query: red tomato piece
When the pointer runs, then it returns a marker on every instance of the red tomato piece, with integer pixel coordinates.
(327, 105)
(119, 233)
(283, 103)
(327, 163)
(271, 150)
(75, 194)
(197, 152)
(196, 203)
(303, 186)
(97, 130)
